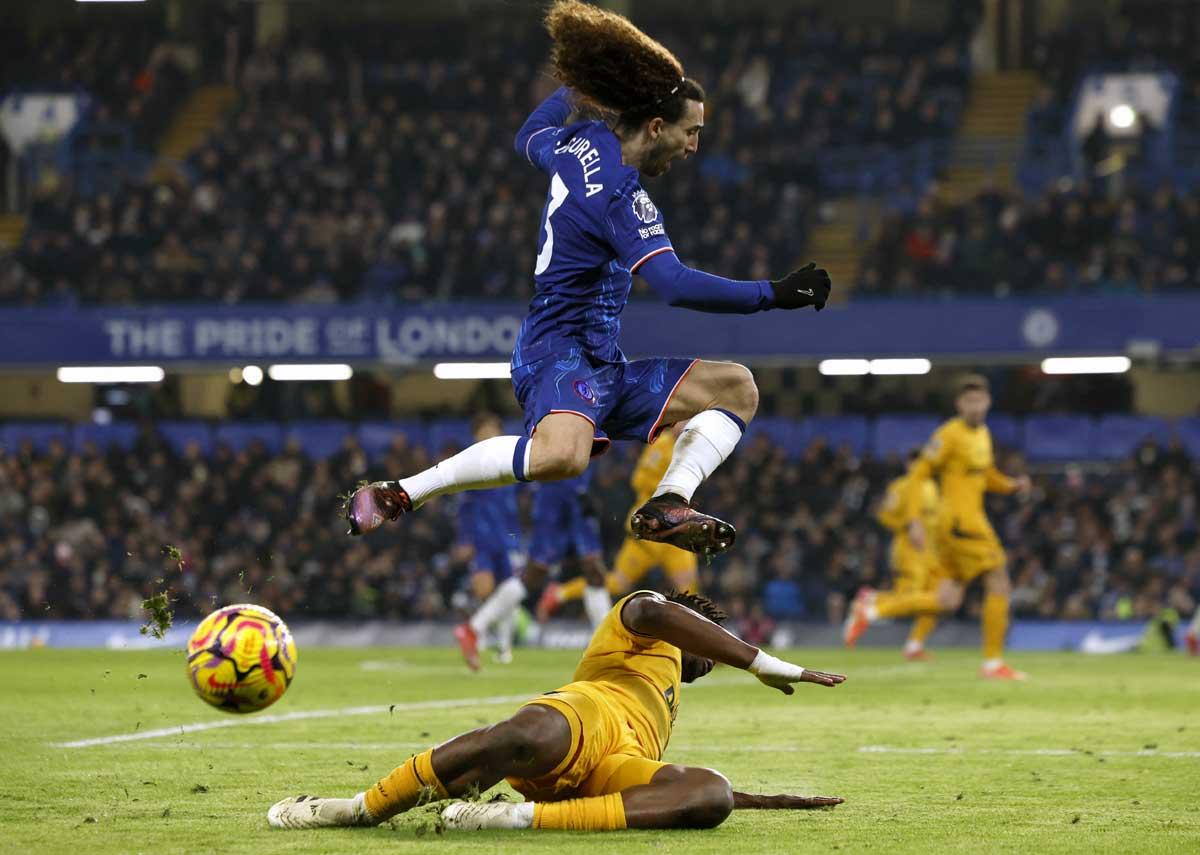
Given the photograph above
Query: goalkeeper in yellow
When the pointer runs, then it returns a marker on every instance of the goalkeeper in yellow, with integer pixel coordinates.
(908, 511)
(636, 557)
(965, 546)
(587, 756)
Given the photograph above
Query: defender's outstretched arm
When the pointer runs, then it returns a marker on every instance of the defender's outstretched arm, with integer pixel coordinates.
(752, 801)
(654, 616)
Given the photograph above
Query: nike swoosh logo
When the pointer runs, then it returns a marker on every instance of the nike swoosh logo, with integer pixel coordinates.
(807, 293)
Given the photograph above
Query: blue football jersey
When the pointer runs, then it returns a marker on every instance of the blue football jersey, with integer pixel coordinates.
(598, 226)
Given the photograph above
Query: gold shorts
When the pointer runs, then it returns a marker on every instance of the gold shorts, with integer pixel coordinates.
(636, 558)
(966, 551)
(604, 756)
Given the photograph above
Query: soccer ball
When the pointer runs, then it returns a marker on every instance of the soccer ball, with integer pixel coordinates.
(241, 658)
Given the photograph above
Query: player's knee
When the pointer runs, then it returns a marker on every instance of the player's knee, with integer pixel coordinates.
(707, 799)
(950, 597)
(529, 744)
(997, 582)
(741, 392)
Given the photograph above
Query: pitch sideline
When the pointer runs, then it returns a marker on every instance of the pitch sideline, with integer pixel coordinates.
(299, 715)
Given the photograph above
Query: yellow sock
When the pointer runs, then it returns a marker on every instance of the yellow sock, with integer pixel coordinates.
(922, 628)
(995, 625)
(598, 813)
(572, 590)
(404, 787)
(890, 604)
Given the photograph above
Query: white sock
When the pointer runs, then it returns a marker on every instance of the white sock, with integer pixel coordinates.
(502, 603)
(489, 463)
(523, 812)
(992, 664)
(597, 603)
(504, 630)
(706, 441)
(912, 646)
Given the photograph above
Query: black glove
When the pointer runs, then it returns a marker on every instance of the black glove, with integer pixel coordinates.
(808, 286)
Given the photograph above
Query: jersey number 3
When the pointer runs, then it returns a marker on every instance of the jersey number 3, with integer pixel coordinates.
(558, 195)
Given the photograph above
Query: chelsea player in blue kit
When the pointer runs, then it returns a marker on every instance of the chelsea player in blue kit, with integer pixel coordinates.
(489, 525)
(598, 228)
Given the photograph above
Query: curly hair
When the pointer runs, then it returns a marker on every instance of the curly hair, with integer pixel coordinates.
(616, 67)
(698, 603)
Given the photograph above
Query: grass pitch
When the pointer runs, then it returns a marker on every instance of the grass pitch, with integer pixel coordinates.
(1094, 754)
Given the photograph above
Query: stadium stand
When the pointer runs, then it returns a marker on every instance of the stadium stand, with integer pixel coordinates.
(346, 173)
(86, 511)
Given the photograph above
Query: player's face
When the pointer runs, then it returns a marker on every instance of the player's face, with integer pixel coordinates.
(973, 406)
(675, 140)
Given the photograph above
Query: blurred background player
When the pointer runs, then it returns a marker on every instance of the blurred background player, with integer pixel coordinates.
(599, 227)
(965, 546)
(909, 511)
(636, 557)
(565, 525)
(1192, 636)
(489, 528)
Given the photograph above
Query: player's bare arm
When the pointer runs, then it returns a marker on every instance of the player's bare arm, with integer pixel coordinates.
(654, 616)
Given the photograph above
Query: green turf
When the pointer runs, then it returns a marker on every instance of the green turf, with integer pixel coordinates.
(978, 788)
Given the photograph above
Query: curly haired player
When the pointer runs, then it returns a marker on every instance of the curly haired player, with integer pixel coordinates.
(587, 756)
(599, 227)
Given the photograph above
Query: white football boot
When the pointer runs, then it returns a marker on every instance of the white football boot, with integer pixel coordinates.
(476, 816)
(313, 812)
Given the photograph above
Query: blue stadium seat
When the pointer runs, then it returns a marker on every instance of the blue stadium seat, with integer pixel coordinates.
(121, 434)
(376, 437)
(1006, 431)
(836, 430)
(1119, 436)
(897, 435)
(445, 432)
(319, 439)
(239, 435)
(180, 434)
(39, 433)
(1188, 431)
(1059, 437)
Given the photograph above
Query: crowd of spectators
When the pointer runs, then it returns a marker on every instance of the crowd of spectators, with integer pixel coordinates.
(90, 535)
(351, 169)
(1062, 242)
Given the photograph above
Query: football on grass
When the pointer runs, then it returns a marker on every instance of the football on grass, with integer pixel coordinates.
(241, 658)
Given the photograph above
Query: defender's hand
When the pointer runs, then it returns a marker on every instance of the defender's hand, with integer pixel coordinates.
(781, 675)
(808, 286)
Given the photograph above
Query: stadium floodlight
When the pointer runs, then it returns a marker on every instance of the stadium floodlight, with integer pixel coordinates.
(844, 367)
(330, 371)
(900, 366)
(110, 374)
(1122, 116)
(1086, 365)
(252, 375)
(472, 371)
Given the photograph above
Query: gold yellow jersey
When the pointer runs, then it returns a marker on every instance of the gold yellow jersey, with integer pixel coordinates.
(960, 457)
(641, 674)
(904, 502)
(651, 466)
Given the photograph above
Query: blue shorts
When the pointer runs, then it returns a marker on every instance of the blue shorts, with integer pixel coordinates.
(622, 400)
(495, 560)
(562, 526)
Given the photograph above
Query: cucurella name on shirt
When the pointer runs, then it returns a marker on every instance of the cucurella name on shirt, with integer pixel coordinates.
(588, 157)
